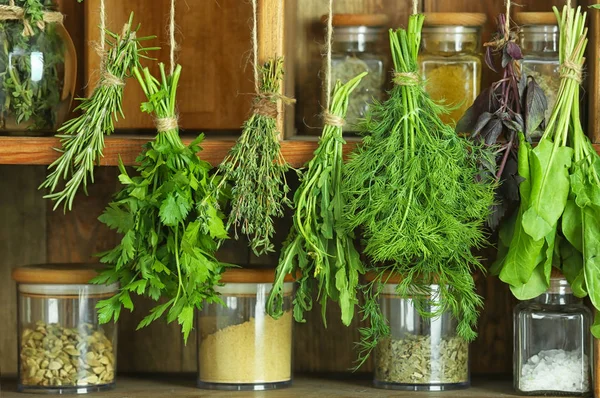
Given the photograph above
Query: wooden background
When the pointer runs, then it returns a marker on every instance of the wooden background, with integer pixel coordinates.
(214, 40)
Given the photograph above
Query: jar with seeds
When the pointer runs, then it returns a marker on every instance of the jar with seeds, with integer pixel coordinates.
(62, 347)
(420, 354)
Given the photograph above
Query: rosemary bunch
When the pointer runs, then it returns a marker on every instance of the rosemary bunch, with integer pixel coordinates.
(415, 190)
(256, 168)
(169, 221)
(82, 138)
(317, 246)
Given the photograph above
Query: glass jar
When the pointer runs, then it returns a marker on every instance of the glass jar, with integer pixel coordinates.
(241, 347)
(356, 49)
(538, 39)
(552, 343)
(450, 60)
(38, 72)
(420, 354)
(62, 347)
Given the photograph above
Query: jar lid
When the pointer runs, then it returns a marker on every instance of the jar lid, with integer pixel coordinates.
(454, 19)
(252, 275)
(536, 18)
(56, 274)
(372, 20)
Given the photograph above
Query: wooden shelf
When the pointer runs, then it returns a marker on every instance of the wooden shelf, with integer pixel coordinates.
(40, 150)
(182, 387)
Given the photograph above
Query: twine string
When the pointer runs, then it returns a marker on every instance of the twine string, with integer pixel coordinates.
(571, 70)
(12, 12)
(172, 41)
(166, 124)
(507, 21)
(255, 47)
(406, 79)
(333, 120)
(102, 26)
(415, 6)
(328, 55)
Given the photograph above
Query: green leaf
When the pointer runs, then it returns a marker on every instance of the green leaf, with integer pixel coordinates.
(591, 252)
(216, 227)
(572, 268)
(155, 313)
(596, 324)
(549, 167)
(505, 235)
(125, 299)
(109, 309)
(186, 320)
(572, 225)
(116, 218)
(585, 192)
(171, 211)
(539, 281)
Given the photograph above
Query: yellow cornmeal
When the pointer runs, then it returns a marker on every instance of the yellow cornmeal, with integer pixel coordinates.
(238, 354)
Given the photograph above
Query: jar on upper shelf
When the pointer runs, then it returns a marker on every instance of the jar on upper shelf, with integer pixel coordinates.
(240, 346)
(356, 48)
(38, 70)
(539, 40)
(552, 343)
(450, 60)
(62, 347)
(421, 353)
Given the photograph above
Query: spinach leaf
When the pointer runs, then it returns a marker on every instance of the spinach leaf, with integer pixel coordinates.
(572, 268)
(571, 225)
(591, 252)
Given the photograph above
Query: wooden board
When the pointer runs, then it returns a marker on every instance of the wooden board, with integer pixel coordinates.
(22, 241)
(305, 387)
(593, 73)
(214, 41)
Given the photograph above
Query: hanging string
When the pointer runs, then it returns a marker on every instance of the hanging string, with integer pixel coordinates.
(328, 55)
(173, 43)
(415, 5)
(507, 21)
(255, 46)
(102, 27)
(12, 12)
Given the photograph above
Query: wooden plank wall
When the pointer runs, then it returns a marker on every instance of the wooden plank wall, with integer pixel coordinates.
(32, 232)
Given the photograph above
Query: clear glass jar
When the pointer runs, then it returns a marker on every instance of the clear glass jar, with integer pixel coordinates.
(37, 75)
(552, 343)
(62, 347)
(241, 347)
(356, 48)
(420, 354)
(450, 60)
(538, 39)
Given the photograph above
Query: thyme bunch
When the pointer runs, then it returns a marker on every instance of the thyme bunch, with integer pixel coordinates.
(317, 247)
(256, 169)
(415, 190)
(82, 138)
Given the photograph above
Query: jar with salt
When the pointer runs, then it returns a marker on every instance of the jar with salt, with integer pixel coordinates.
(552, 343)
(356, 48)
(450, 60)
(421, 354)
(241, 347)
(538, 39)
(62, 347)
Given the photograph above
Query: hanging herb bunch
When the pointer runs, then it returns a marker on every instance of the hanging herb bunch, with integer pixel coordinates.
(82, 138)
(511, 105)
(558, 221)
(169, 221)
(32, 67)
(415, 190)
(255, 166)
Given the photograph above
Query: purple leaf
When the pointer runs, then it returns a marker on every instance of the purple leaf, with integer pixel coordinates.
(535, 106)
(492, 131)
(482, 103)
(483, 119)
(489, 59)
(514, 51)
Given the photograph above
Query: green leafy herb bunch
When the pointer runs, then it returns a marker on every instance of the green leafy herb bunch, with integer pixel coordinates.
(170, 223)
(415, 192)
(558, 222)
(318, 248)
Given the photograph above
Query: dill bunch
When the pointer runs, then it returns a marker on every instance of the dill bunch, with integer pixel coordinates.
(415, 190)
(317, 247)
(256, 168)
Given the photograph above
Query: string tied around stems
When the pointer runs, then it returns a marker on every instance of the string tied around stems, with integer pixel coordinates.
(166, 124)
(265, 104)
(12, 12)
(571, 70)
(406, 79)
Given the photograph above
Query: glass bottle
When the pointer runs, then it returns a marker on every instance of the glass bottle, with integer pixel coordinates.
(538, 39)
(62, 347)
(241, 347)
(38, 72)
(552, 343)
(450, 60)
(421, 354)
(356, 49)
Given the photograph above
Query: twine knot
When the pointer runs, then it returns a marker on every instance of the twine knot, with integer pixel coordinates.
(166, 124)
(266, 104)
(406, 78)
(571, 70)
(110, 80)
(333, 120)
(15, 13)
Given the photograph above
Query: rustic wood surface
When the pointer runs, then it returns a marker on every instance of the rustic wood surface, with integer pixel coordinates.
(22, 241)
(305, 387)
(593, 72)
(214, 43)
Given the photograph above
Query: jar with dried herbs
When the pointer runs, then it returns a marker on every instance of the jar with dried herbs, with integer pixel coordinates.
(38, 69)
(420, 354)
(450, 60)
(62, 347)
(539, 41)
(241, 347)
(356, 49)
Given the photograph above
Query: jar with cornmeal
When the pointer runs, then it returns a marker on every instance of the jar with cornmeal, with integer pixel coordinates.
(450, 60)
(240, 346)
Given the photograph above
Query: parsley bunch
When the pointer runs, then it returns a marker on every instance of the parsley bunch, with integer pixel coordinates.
(317, 246)
(169, 221)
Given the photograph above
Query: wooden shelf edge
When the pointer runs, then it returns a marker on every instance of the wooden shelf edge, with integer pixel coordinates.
(41, 150)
